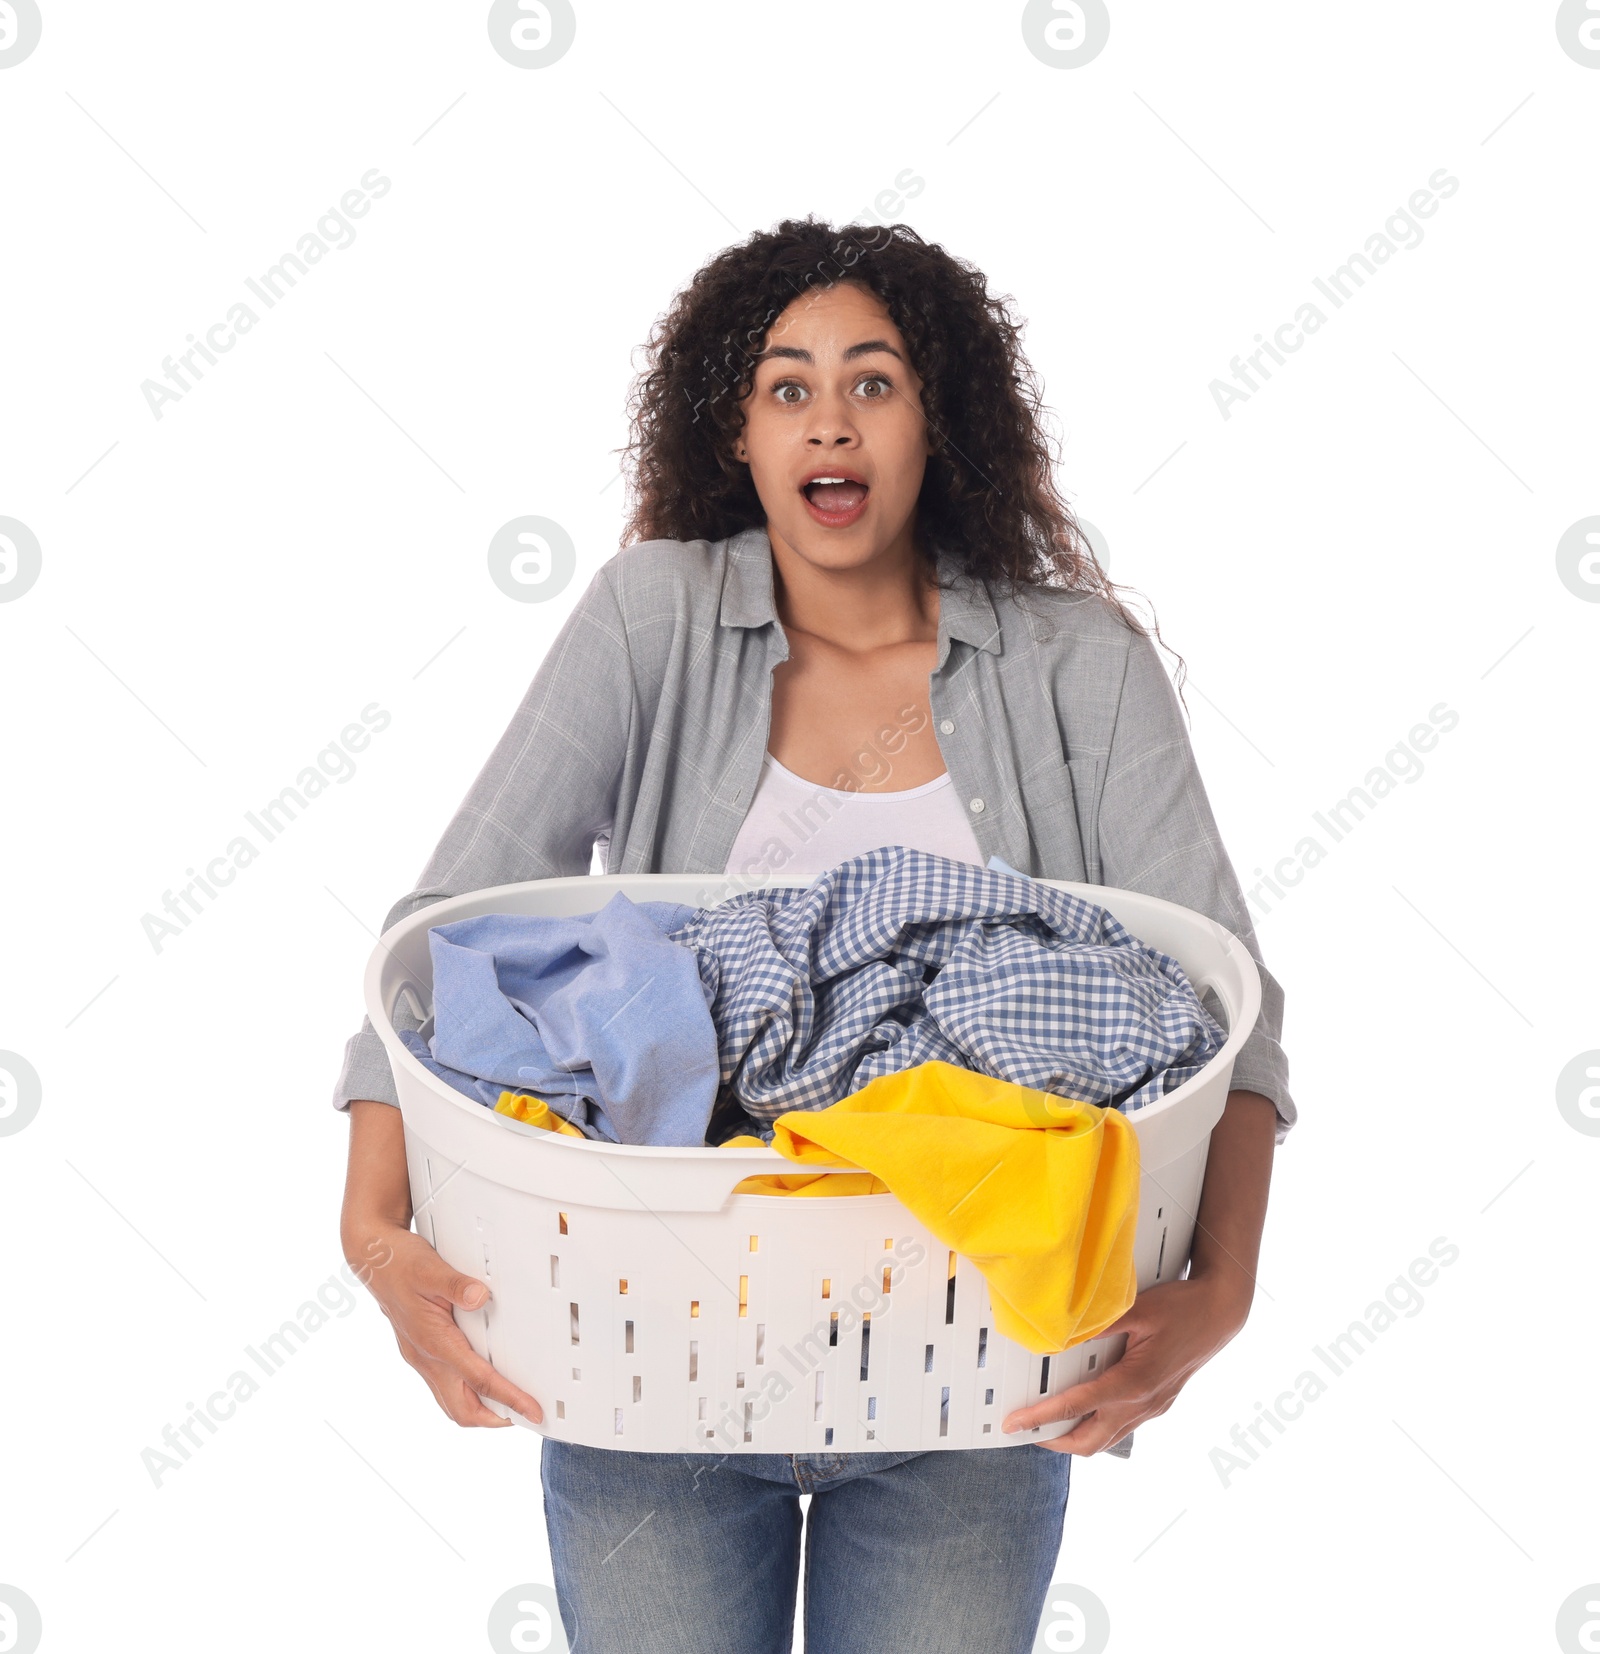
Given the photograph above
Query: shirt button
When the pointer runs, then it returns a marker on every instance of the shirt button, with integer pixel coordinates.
(976, 806)
(948, 727)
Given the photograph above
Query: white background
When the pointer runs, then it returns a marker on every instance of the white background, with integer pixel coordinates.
(304, 533)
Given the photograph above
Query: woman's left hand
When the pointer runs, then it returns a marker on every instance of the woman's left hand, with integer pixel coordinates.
(1173, 1329)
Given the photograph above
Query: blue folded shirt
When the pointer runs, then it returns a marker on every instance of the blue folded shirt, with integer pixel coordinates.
(598, 1014)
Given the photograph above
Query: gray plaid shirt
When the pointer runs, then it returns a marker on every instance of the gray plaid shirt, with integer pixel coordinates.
(645, 726)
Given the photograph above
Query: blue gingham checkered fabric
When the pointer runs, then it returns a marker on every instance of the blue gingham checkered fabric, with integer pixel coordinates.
(900, 956)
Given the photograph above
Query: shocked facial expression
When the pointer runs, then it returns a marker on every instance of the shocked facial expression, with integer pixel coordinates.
(834, 431)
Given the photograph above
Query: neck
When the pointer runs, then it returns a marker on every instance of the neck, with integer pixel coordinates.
(889, 598)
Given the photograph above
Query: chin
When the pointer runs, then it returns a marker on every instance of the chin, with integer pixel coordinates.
(833, 548)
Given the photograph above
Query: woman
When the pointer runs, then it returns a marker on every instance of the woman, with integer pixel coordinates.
(856, 612)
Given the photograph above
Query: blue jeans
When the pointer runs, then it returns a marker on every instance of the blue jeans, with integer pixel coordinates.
(945, 1552)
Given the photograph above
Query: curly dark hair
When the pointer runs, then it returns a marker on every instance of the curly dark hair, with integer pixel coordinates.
(989, 497)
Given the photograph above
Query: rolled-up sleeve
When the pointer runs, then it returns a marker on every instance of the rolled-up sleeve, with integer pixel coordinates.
(1157, 834)
(546, 793)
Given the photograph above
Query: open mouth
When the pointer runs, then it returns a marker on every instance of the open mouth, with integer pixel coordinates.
(835, 500)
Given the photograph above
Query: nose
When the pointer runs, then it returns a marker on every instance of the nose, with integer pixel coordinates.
(831, 425)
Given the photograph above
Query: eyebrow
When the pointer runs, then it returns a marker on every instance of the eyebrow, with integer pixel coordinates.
(867, 347)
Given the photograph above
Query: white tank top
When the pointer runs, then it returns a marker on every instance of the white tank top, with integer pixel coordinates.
(795, 826)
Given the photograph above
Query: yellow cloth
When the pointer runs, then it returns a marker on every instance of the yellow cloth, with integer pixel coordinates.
(801, 1183)
(1040, 1192)
(535, 1112)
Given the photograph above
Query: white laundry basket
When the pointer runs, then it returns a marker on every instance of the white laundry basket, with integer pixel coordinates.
(648, 1308)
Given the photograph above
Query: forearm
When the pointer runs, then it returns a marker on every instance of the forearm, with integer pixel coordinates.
(377, 1189)
(1233, 1200)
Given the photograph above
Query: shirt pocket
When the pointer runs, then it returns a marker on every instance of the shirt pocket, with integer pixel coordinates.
(1085, 775)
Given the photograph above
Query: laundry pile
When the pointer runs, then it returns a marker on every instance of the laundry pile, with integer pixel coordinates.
(659, 1023)
(968, 1039)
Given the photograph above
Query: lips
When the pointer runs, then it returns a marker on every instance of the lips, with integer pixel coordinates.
(835, 498)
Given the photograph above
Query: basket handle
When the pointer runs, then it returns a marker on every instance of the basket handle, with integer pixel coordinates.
(1210, 980)
(414, 997)
(704, 1183)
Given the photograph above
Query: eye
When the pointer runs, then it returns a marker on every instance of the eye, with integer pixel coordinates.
(877, 379)
(783, 386)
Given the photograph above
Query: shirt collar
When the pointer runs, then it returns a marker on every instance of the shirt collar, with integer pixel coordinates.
(965, 609)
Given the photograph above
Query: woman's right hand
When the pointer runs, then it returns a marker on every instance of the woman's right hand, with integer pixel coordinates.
(416, 1288)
